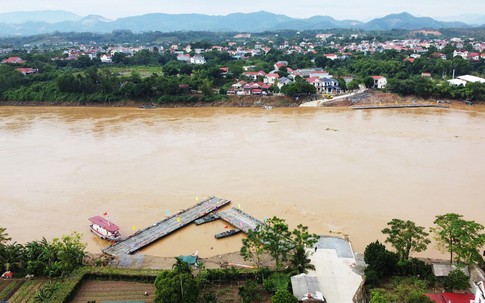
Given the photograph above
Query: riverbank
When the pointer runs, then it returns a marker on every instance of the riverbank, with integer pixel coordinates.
(142, 261)
(230, 101)
(366, 98)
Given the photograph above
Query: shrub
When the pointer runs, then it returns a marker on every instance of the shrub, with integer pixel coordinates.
(283, 296)
(415, 297)
(249, 292)
(415, 268)
(456, 280)
(210, 297)
(276, 282)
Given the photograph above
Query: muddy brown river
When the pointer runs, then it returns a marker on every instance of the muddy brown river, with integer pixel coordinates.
(337, 171)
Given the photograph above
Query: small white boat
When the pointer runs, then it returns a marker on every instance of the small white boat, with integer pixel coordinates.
(105, 229)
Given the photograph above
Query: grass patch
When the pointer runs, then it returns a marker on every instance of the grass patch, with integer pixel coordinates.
(143, 70)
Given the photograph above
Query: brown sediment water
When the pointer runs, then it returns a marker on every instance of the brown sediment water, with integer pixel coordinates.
(335, 170)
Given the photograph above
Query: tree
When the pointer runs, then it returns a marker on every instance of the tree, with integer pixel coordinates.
(353, 85)
(69, 251)
(275, 235)
(11, 256)
(298, 87)
(4, 238)
(252, 247)
(283, 296)
(278, 241)
(181, 268)
(381, 263)
(459, 237)
(406, 237)
(369, 82)
(206, 88)
(173, 287)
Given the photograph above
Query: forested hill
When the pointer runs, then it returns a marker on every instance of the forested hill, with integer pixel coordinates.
(21, 24)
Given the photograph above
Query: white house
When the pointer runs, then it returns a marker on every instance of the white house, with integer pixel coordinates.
(306, 287)
(320, 74)
(182, 57)
(463, 80)
(380, 82)
(331, 56)
(461, 53)
(105, 58)
(271, 78)
(197, 59)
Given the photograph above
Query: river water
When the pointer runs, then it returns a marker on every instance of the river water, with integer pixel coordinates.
(337, 171)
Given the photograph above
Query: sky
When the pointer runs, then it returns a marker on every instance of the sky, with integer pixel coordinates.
(363, 10)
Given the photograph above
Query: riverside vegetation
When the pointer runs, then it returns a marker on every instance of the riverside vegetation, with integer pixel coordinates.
(155, 75)
(389, 276)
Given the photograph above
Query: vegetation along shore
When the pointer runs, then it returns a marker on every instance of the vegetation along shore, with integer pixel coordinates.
(269, 256)
(200, 69)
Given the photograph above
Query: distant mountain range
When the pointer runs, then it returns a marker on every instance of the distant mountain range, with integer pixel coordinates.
(30, 23)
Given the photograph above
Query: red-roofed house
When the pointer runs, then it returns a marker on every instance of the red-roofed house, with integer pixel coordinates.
(438, 55)
(255, 88)
(331, 56)
(473, 56)
(13, 60)
(448, 297)
(26, 70)
(408, 60)
(255, 75)
(183, 57)
(271, 78)
(379, 82)
(280, 64)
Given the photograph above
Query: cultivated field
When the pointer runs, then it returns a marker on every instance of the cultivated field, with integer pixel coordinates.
(114, 291)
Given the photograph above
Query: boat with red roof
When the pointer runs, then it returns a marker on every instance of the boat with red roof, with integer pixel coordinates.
(105, 229)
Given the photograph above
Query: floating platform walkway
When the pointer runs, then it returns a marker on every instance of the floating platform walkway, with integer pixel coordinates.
(399, 106)
(165, 227)
(240, 219)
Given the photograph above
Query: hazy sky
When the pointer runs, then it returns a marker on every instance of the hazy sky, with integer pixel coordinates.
(340, 9)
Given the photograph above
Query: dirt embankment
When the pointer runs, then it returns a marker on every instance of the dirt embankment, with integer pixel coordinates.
(140, 261)
(382, 98)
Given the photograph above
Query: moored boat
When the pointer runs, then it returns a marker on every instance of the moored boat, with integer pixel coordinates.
(227, 233)
(105, 229)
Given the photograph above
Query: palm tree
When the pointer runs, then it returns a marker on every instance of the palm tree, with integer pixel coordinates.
(300, 260)
(181, 267)
(4, 236)
(12, 256)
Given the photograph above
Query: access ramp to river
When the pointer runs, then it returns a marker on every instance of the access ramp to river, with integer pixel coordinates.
(240, 219)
